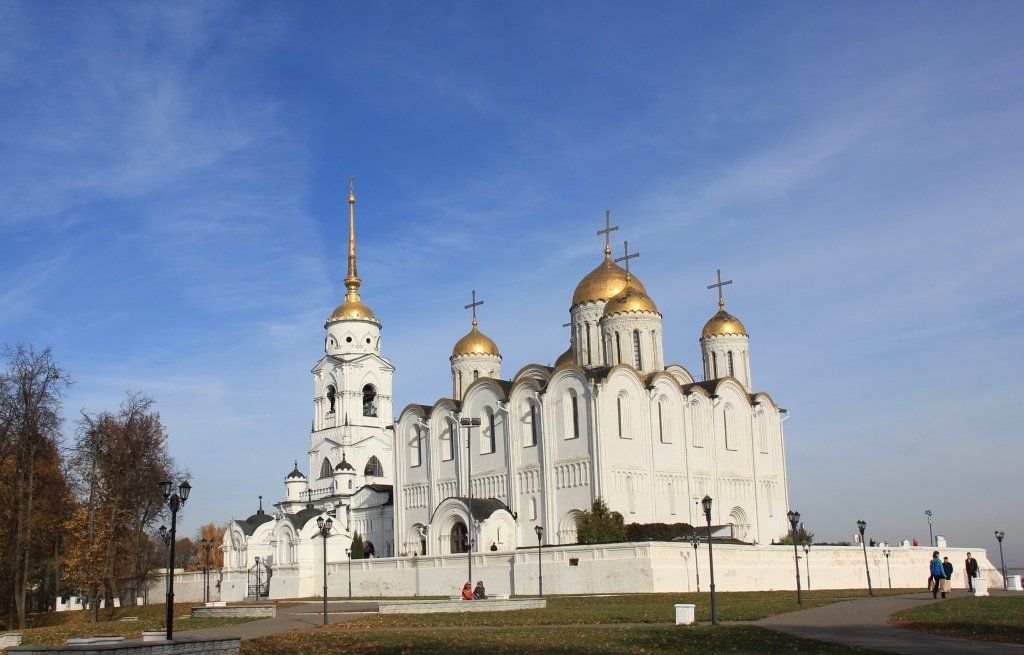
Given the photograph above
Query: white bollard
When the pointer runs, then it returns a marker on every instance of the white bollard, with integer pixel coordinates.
(981, 586)
(1013, 583)
(684, 613)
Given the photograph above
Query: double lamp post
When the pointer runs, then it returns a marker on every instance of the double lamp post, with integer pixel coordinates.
(175, 501)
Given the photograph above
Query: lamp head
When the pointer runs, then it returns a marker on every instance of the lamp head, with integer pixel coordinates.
(327, 523)
(999, 535)
(861, 525)
(165, 488)
(794, 518)
(470, 422)
(163, 532)
(320, 522)
(183, 491)
(539, 530)
(706, 504)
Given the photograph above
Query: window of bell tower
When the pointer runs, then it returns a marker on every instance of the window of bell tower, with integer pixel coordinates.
(369, 401)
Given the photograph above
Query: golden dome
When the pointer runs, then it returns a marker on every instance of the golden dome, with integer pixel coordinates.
(722, 324)
(565, 359)
(604, 282)
(630, 299)
(475, 343)
(352, 309)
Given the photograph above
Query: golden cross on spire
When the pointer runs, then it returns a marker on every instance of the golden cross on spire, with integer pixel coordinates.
(607, 231)
(351, 189)
(626, 257)
(473, 305)
(719, 285)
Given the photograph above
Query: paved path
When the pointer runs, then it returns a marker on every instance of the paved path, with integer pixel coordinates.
(301, 615)
(865, 622)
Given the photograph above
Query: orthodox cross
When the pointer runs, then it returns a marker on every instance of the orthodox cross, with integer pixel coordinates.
(473, 305)
(719, 285)
(626, 257)
(607, 231)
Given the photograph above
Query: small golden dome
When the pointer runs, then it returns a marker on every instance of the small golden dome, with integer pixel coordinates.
(352, 309)
(630, 299)
(565, 359)
(475, 343)
(604, 282)
(722, 324)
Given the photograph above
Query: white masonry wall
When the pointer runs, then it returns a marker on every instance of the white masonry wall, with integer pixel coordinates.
(611, 568)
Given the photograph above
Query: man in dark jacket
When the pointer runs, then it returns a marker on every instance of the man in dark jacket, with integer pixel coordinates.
(972, 571)
(947, 575)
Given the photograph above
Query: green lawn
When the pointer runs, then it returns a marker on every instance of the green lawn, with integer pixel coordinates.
(561, 640)
(630, 624)
(58, 627)
(993, 618)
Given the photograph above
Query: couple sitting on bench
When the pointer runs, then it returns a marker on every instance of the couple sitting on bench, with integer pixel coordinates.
(468, 593)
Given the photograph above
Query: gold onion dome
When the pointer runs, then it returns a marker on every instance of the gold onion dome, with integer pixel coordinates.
(352, 309)
(723, 324)
(604, 282)
(475, 343)
(565, 359)
(631, 299)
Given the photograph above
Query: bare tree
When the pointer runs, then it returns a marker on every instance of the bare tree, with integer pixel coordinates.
(31, 389)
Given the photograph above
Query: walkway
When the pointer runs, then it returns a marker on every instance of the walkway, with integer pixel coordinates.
(865, 622)
(303, 614)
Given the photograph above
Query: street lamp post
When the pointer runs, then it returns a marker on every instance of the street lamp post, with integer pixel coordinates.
(706, 504)
(1002, 562)
(469, 424)
(540, 565)
(794, 520)
(807, 564)
(325, 531)
(931, 539)
(207, 547)
(888, 570)
(695, 542)
(862, 525)
(175, 501)
(348, 553)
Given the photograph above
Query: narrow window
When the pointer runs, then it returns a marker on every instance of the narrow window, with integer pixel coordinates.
(728, 359)
(714, 366)
(586, 327)
(725, 429)
(637, 360)
(325, 469)
(575, 417)
(369, 401)
(618, 414)
(331, 396)
(415, 449)
(489, 437)
(534, 425)
(661, 423)
(618, 349)
(476, 375)
(447, 443)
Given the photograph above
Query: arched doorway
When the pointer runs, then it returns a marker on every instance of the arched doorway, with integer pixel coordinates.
(458, 539)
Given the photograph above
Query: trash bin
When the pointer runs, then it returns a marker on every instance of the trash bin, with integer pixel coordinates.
(684, 613)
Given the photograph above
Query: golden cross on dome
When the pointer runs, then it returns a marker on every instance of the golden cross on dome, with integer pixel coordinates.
(719, 285)
(607, 231)
(626, 257)
(473, 305)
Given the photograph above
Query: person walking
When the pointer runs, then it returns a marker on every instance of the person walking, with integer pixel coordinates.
(947, 576)
(971, 566)
(936, 574)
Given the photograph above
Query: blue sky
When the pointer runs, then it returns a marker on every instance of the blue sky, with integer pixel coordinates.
(172, 212)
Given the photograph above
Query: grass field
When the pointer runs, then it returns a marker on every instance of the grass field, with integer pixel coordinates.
(993, 618)
(630, 624)
(58, 627)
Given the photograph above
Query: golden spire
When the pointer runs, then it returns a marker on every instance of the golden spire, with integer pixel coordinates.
(352, 280)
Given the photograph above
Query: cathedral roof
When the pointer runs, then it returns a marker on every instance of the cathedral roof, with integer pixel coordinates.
(565, 359)
(631, 299)
(250, 524)
(475, 343)
(296, 474)
(722, 324)
(343, 465)
(604, 282)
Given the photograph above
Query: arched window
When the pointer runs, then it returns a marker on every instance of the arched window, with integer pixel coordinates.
(534, 425)
(575, 417)
(476, 375)
(448, 442)
(369, 401)
(415, 447)
(728, 359)
(487, 443)
(729, 445)
(637, 359)
(373, 467)
(661, 423)
(586, 328)
(459, 542)
(325, 468)
(331, 397)
(618, 349)
(618, 417)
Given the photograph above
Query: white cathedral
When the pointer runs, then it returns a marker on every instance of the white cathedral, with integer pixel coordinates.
(482, 469)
